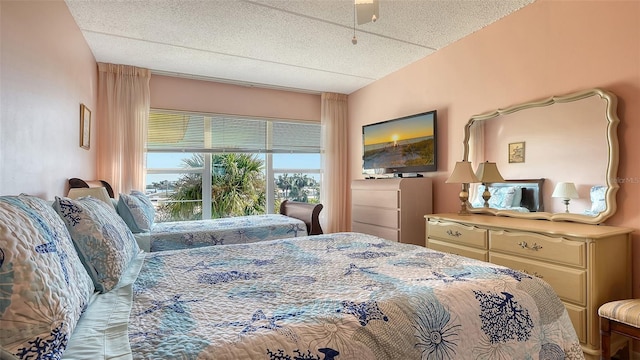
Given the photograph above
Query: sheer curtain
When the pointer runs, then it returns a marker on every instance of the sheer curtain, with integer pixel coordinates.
(123, 110)
(335, 186)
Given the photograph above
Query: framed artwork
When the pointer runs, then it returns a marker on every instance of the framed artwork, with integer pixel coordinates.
(516, 152)
(85, 127)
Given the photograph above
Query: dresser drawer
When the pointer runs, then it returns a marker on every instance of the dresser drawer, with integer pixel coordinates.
(376, 216)
(457, 233)
(570, 284)
(458, 250)
(376, 198)
(540, 247)
(383, 232)
(578, 316)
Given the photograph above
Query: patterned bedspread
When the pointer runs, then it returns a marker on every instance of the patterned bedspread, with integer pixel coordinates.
(341, 296)
(224, 231)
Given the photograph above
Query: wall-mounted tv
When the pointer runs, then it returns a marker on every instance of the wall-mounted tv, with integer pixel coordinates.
(403, 145)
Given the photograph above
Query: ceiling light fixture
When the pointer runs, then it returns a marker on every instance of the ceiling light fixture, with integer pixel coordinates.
(354, 40)
(367, 10)
(364, 11)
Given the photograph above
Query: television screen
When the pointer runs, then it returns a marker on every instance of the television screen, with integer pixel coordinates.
(403, 145)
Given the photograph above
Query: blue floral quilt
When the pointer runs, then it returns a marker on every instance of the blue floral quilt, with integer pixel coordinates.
(341, 296)
(224, 231)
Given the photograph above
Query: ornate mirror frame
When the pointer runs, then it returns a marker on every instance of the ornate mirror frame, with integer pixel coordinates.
(611, 180)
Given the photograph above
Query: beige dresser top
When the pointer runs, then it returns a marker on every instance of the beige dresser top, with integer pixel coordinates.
(540, 226)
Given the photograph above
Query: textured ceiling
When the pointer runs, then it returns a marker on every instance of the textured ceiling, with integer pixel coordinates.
(299, 44)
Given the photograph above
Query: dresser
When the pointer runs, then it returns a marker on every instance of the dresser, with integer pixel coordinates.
(392, 208)
(587, 265)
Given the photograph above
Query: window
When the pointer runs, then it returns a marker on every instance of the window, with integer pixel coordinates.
(253, 164)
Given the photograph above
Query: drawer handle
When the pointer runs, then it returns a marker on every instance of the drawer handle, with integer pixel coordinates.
(451, 233)
(535, 273)
(535, 247)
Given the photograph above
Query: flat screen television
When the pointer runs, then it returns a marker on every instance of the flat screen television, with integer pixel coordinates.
(400, 146)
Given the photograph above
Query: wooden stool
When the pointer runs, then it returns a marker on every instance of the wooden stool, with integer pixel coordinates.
(619, 317)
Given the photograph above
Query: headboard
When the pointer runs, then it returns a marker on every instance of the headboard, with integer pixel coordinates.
(309, 213)
(531, 192)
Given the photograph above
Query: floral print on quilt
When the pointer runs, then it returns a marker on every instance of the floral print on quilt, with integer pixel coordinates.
(43, 286)
(224, 231)
(342, 296)
(105, 244)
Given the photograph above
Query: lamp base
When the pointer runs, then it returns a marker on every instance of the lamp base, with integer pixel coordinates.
(464, 196)
(486, 195)
(566, 204)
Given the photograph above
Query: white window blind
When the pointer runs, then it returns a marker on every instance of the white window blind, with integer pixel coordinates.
(176, 131)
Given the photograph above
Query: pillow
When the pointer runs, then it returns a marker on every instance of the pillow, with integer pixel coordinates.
(104, 243)
(137, 211)
(43, 286)
(502, 197)
(149, 209)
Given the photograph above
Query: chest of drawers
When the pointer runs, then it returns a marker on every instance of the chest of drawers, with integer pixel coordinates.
(392, 208)
(587, 265)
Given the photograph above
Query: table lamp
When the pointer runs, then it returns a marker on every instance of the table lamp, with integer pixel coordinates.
(488, 173)
(566, 191)
(463, 174)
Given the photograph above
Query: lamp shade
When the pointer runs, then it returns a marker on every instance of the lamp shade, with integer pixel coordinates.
(565, 190)
(462, 174)
(488, 172)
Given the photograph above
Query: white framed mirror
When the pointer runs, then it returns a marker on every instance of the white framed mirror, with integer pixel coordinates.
(539, 147)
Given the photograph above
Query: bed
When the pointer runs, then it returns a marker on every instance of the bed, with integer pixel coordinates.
(331, 296)
(517, 195)
(224, 231)
(138, 212)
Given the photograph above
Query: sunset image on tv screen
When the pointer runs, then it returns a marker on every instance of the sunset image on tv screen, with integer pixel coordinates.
(404, 142)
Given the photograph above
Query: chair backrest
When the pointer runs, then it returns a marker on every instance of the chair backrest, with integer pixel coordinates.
(79, 183)
(308, 213)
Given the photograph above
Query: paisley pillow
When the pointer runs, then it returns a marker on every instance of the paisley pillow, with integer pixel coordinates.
(137, 211)
(105, 244)
(43, 286)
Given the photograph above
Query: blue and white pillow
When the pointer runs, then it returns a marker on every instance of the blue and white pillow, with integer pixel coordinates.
(501, 197)
(137, 211)
(43, 286)
(105, 244)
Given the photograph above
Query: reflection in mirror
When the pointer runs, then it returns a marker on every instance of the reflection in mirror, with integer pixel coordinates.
(562, 139)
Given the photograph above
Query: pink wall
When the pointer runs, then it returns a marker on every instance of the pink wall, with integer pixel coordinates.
(547, 48)
(46, 71)
(205, 96)
(563, 142)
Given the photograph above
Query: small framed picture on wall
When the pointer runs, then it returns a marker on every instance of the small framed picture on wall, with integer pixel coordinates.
(516, 152)
(85, 127)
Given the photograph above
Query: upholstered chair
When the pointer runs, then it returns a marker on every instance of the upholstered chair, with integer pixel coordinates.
(619, 317)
